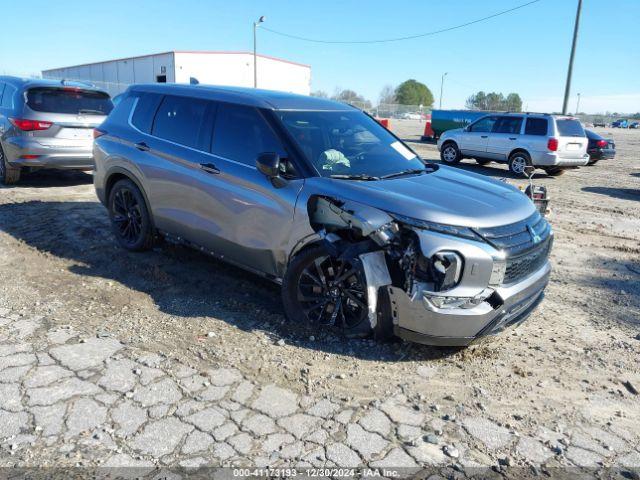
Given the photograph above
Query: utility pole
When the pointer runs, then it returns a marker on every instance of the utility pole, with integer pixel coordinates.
(255, 55)
(578, 105)
(567, 88)
(442, 87)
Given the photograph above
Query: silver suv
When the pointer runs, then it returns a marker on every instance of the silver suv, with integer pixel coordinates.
(47, 124)
(318, 197)
(550, 142)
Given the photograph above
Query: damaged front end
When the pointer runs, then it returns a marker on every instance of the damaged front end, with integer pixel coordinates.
(443, 284)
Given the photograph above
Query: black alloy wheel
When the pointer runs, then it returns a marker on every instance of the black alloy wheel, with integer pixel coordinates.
(333, 292)
(130, 217)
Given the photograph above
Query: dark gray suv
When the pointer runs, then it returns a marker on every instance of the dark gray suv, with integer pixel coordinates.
(315, 195)
(47, 124)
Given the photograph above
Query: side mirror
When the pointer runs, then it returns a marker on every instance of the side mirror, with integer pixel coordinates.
(269, 164)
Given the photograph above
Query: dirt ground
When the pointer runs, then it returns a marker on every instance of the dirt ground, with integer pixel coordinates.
(574, 362)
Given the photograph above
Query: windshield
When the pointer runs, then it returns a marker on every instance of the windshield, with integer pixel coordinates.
(69, 100)
(348, 144)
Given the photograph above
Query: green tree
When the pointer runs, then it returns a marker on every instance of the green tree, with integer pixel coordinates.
(494, 101)
(412, 92)
(513, 103)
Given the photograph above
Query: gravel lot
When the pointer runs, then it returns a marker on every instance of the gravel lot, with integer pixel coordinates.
(109, 358)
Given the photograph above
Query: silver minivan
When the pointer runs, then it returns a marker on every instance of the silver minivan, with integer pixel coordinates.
(550, 142)
(48, 124)
(318, 197)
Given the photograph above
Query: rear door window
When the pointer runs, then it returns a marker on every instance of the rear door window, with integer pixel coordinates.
(71, 100)
(508, 125)
(145, 110)
(484, 125)
(536, 126)
(241, 134)
(569, 127)
(183, 120)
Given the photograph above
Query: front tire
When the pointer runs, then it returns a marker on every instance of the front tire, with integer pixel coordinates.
(518, 163)
(321, 290)
(8, 174)
(450, 153)
(129, 215)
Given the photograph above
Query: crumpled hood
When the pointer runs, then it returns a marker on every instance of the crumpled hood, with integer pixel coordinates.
(448, 195)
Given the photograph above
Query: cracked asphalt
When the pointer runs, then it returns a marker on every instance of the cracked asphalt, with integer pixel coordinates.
(168, 359)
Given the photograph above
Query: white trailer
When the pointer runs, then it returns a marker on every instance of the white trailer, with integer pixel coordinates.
(216, 68)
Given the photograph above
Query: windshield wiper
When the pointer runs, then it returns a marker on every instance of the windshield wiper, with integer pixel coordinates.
(359, 176)
(411, 171)
(90, 111)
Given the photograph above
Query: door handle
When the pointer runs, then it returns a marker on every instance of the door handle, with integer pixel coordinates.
(210, 168)
(143, 147)
(513, 138)
(484, 136)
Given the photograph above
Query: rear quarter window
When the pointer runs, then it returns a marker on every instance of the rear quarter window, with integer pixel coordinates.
(70, 100)
(568, 127)
(536, 126)
(145, 110)
(7, 96)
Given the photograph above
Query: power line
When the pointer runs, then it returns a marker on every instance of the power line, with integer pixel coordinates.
(398, 39)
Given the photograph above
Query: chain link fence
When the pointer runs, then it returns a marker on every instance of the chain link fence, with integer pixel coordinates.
(392, 110)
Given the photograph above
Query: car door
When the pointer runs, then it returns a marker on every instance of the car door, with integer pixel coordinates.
(176, 145)
(475, 137)
(504, 137)
(238, 212)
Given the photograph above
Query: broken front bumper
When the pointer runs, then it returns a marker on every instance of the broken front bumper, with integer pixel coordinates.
(418, 321)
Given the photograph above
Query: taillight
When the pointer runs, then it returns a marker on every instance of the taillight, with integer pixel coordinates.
(602, 143)
(552, 144)
(29, 125)
(98, 133)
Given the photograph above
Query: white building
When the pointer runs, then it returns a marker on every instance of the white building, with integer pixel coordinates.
(216, 68)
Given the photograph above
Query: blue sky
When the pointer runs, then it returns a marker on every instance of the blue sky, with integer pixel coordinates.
(525, 51)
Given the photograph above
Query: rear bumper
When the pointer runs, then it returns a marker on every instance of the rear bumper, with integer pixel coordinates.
(601, 154)
(41, 155)
(460, 327)
(553, 159)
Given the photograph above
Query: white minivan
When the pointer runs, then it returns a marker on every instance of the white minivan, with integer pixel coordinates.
(550, 142)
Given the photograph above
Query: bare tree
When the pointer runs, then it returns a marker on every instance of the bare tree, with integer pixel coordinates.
(387, 95)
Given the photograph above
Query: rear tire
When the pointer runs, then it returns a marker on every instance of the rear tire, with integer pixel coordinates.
(518, 162)
(554, 171)
(483, 161)
(8, 174)
(450, 153)
(320, 290)
(130, 218)
(593, 162)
